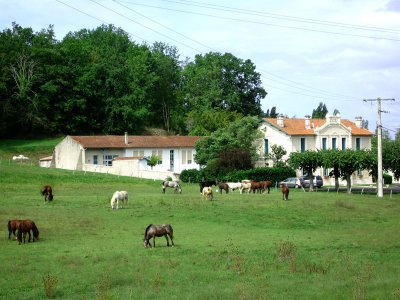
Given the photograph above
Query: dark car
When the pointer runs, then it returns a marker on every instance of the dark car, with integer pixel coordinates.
(292, 182)
(317, 181)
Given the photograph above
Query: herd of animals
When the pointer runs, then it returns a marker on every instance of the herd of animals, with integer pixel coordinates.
(22, 228)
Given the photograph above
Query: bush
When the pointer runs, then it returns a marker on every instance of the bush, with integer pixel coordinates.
(387, 179)
(260, 174)
(190, 175)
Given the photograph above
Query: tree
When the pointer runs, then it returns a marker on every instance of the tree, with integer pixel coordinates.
(331, 159)
(320, 112)
(152, 161)
(276, 154)
(222, 81)
(308, 160)
(237, 136)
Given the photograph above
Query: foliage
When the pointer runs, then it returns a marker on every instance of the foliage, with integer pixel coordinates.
(101, 82)
(190, 175)
(387, 178)
(276, 154)
(240, 134)
(320, 112)
(260, 174)
(152, 161)
(308, 160)
(271, 114)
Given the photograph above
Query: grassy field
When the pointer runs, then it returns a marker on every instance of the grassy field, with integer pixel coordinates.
(314, 246)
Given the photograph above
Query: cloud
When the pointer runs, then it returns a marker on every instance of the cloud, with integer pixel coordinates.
(393, 6)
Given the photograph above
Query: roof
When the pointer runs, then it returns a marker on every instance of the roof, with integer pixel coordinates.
(295, 126)
(46, 158)
(118, 141)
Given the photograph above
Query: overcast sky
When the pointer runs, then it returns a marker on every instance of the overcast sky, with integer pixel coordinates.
(338, 52)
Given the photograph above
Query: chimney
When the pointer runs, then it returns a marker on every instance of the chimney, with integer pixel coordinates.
(307, 121)
(359, 122)
(126, 138)
(279, 121)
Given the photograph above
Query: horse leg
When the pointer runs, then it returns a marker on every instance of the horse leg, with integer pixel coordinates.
(29, 234)
(166, 237)
(172, 241)
(154, 241)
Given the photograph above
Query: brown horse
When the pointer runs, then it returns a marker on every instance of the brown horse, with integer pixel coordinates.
(12, 227)
(223, 186)
(47, 192)
(158, 230)
(25, 227)
(285, 192)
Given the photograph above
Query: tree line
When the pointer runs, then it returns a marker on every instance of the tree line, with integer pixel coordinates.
(101, 82)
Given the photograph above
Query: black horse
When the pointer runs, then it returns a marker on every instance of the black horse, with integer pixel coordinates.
(205, 183)
(158, 230)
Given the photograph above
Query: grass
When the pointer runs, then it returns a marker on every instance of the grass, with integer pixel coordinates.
(316, 245)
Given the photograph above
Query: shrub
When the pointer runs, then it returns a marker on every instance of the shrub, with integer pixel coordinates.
(190, 175)
(387, 179)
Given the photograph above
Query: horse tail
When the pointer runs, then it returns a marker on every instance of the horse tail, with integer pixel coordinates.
(147, 229)
(35, 231)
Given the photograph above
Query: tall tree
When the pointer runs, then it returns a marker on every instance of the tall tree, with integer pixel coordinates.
(320, 112)
(222, 81)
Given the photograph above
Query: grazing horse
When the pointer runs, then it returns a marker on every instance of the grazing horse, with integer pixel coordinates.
(47, 192)
(285, 192)
(246, 185)
(234, 185)
(158, 230)
(12, 227)
(223, 186)
(171, 184)
(25, 227)
(207, 193)
(117, 197)
(205, 183)
(266, 185)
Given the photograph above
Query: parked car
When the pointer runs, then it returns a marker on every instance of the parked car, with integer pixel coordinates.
(317, 181)
(292, 182)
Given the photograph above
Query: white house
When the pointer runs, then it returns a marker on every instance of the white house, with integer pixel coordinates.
(127, 155)
(295, 134)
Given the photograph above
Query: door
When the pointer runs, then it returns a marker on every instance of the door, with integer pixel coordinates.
(171, 160)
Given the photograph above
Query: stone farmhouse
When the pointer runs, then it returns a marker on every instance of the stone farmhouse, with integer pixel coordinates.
(127, 155)
(296, 134)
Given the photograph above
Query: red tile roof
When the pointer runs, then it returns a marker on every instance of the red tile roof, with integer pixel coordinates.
(118, 141)
(294, 126)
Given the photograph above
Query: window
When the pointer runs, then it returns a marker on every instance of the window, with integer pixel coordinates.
(187, 156)
(266, 150)
(358, 144)
(157, 153)
(334, 146)
(359, 172)
(324, 140)
(326, 172)
(138, 153)
(95, 159)
(303, 144)
(343, 143)
(107, 159)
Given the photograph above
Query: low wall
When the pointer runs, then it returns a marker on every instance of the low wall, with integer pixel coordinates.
(127, 169)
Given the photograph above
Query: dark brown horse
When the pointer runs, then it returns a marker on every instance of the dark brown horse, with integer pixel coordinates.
(47, 192)
(12, 227)
(223, 186)
(158, 230)
(285, 192)
(205, 183)
(25, 227)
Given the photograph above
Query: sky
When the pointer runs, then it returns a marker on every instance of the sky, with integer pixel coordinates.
(338, 52)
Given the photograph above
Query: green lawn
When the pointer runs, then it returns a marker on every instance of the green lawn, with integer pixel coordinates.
(314, 246)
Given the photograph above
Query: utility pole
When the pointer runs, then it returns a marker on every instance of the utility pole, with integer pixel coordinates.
(379, 125)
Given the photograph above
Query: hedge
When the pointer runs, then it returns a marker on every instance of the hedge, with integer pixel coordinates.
(258, 174)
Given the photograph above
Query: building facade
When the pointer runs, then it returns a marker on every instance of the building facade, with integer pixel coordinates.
(299, 135)
(127, 155)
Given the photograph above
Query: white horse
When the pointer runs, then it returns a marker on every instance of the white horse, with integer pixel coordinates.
(171, 184)
(234, 185)
(246, 185)
(117, 197)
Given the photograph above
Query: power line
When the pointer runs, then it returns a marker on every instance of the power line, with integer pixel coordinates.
(91, 16)
(280, 16)
(268, 24)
